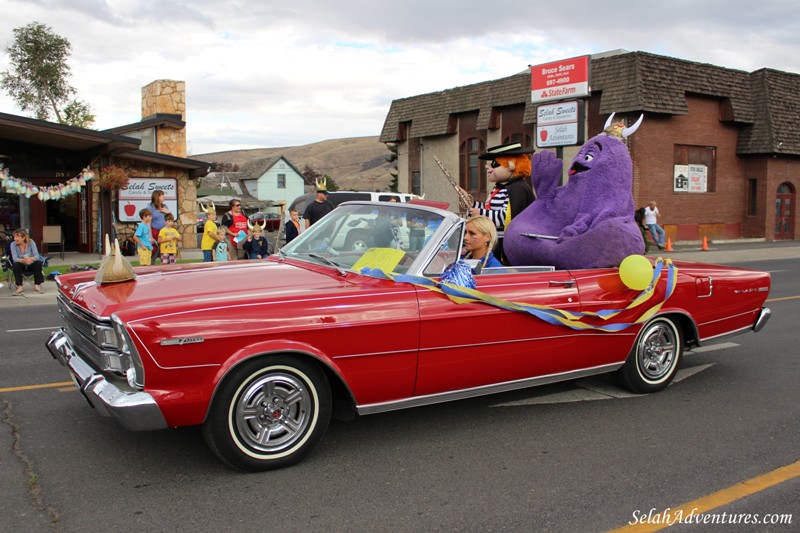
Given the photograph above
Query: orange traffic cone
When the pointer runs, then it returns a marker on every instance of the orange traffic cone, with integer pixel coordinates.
(705, 244)
(669, 245)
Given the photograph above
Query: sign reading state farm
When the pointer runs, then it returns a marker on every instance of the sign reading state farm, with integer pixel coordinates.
(136, 196)
(568, 78)
(559, 124)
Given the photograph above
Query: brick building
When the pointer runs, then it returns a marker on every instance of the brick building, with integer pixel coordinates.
(741, 129)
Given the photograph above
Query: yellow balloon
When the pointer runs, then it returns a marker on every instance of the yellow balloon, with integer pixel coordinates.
(636, 272)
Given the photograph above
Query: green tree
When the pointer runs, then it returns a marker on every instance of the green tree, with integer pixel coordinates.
(331, 185)
(38, 79)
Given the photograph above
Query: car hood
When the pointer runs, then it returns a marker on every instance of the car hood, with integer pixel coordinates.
(181, 287)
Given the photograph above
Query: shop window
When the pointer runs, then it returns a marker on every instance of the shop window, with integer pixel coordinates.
(472, 174)
(416, 183)
(699, 165)
(147, 136)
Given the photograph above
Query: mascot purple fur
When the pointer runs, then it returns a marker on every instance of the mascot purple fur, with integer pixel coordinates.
(587, 223)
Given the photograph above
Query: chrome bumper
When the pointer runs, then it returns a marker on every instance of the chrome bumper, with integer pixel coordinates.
(136, 411)
(763, 316)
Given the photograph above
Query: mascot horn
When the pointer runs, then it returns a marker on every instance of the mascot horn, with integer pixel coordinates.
(587, 223)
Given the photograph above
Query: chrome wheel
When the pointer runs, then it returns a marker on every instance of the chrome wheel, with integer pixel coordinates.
(653, 361)
(269, 413)
(273, 412)
(656, 351)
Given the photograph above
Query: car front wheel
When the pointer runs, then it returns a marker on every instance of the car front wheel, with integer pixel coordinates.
(269, 413)
(654, 358)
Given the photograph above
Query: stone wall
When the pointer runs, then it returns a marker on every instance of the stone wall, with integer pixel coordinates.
(166, 96)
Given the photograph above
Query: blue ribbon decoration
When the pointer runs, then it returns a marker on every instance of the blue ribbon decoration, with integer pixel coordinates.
(551, 315)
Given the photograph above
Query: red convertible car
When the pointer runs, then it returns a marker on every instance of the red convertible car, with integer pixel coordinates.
(263, 353)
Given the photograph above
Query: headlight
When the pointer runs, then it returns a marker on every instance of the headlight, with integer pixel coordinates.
(120, 335)
(106, 337)
(129, 361)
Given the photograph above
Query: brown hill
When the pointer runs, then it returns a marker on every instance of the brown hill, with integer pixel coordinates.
(355, 163)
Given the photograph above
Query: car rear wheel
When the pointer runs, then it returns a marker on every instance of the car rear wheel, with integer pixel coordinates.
(654, 359)
(269, 413)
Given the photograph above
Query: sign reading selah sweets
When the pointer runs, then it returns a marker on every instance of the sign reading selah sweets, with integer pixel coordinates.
(560, 124)
(136, 196)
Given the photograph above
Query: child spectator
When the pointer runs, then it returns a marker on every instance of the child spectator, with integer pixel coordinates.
(293, 227)
(142, 238)
(256, 245)
(210, 236)
(168, 240)
(221, 250)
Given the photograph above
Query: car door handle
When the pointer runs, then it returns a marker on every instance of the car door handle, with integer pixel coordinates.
(567, 283)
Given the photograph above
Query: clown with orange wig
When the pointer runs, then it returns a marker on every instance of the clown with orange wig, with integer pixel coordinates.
(508, 166)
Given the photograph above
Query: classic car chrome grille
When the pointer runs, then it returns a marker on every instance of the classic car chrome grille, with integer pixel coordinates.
(83, 332)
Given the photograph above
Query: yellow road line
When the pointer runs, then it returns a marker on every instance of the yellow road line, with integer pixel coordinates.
(781, 299)
(715, 500)
(44, 386)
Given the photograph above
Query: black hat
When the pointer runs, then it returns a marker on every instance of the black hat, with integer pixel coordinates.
(503, 150)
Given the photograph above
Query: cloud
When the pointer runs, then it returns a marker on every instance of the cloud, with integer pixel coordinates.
(279, 74)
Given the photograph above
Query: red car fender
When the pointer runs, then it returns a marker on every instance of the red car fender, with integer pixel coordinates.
(272, 346)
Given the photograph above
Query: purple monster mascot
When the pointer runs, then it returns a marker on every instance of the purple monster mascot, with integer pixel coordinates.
(587, 223)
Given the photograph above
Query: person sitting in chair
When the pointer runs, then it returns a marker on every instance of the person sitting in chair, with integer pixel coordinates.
(26, 260)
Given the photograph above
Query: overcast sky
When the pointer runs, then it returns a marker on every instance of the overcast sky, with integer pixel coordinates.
(273, 73)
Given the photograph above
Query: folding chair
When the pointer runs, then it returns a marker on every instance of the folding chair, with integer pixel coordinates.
(27, 277)
(52, 235)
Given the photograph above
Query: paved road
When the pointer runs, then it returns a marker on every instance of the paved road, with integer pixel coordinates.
(580, 456)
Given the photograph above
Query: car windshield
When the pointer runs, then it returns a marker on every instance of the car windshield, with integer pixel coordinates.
(394, 237)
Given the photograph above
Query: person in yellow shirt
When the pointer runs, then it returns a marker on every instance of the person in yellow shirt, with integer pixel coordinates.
(168, 238)
(210, 236)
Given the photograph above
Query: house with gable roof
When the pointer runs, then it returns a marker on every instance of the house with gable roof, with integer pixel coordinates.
(272, 179)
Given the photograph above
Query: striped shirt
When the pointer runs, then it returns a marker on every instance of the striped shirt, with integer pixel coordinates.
(507, 201)
(495, 207)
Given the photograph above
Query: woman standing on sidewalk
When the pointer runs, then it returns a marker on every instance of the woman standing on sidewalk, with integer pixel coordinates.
(26, 259)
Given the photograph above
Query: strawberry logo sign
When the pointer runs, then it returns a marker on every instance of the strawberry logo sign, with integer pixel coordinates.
(543, 135)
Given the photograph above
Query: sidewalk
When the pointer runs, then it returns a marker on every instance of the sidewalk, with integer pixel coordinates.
(732, 251)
